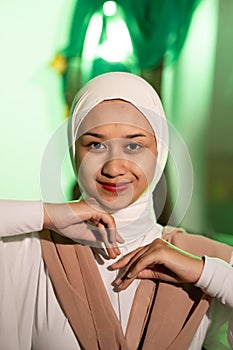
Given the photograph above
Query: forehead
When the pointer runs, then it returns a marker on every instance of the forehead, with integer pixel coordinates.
(114, 112)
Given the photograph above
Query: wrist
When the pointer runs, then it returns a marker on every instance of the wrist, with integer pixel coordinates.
(201, 263)
(47, 223)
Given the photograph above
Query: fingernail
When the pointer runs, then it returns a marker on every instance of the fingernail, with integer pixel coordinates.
(112, 266)
(118, 282)
(130, 275)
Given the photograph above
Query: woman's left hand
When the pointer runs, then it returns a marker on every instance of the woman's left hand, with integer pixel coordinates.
(158, 260)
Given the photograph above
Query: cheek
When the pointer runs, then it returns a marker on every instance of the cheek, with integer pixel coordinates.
(150, 166)
(145, 168)
(87, 167)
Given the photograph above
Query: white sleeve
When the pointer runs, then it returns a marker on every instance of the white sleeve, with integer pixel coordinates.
(217, 280)
(18, 217)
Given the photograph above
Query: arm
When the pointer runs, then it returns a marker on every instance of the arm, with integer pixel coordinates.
(19, 217)
(197, 244)
(162, 260)
(68, 219)
(217, 280)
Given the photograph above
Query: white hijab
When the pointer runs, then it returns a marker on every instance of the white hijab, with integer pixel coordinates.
(138, 219)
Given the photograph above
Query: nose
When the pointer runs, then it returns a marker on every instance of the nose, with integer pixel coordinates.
(114, 168)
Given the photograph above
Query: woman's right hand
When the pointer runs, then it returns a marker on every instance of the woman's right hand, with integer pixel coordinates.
(70, 219)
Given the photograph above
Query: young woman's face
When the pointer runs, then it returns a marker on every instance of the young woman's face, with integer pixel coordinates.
(116, 154)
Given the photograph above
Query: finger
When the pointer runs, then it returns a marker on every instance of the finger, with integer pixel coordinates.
(113, 252)
(146, 260)
(96, 214)
(94, 221)
(117, 250)
(101, 220)
(155, 272)
(160, 273)
(110, 232)
(114, 236)
(108, 221)
(119, 239)
(112, 248)
(124, 260)
(123, 284)
(151, 255)
(103, 236)
(125, 278)
(146, 274)
(131, 268)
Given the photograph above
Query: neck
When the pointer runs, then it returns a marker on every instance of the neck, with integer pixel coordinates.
(137, 220)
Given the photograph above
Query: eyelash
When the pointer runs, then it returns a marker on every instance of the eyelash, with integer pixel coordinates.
(137, 146)
(93, 144)
(134, 144)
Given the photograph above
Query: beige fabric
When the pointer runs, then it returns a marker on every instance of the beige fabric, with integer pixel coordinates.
(81, 293)
(163, 316)
(196, 244)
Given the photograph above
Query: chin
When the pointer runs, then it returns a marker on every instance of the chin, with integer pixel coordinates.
(115, 205)
(111, 202)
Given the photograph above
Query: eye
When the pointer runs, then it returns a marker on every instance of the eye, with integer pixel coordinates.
(133, 147)
(96, 146)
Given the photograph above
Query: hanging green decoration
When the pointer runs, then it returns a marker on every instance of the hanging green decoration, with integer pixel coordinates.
(123, 35)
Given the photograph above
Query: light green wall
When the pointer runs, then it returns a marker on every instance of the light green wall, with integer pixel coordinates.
(187, 94)
(31, 97)
(197, 92)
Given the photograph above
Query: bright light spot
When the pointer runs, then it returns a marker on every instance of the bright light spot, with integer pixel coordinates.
(90, 47)
(118, 46)
(92, 36)
(109, 8)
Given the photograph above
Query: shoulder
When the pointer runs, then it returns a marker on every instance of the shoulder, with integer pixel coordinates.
(197, 244)
(170, 233)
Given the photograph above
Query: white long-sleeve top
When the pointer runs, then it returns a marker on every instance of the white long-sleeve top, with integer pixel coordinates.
(217, 281)
(30, 315)
(17, 217)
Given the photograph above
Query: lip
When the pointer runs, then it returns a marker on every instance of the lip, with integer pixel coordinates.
(115, 187)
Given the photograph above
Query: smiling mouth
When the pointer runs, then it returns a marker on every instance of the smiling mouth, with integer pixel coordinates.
(115, 187)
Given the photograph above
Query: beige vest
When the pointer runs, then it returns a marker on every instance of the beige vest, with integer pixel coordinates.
(163, 315)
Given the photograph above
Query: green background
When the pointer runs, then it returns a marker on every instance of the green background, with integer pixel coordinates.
(197, 93)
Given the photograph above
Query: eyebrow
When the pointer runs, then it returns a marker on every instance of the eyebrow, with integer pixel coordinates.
(101, 136)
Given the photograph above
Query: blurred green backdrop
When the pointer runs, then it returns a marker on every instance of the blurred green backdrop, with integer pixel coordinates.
(197, 91)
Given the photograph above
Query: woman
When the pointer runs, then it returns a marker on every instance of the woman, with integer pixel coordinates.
(67, 299)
